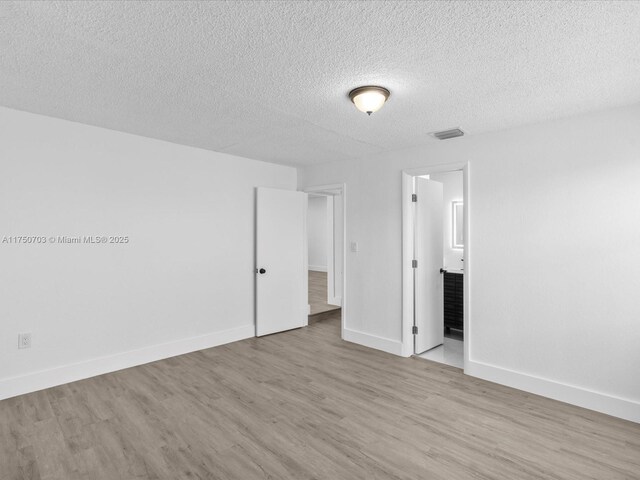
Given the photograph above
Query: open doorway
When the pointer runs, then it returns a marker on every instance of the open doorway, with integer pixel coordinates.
(325, 240)
(435, 222)
(443, 287)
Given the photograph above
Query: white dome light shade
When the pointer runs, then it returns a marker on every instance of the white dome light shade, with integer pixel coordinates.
(369, 99)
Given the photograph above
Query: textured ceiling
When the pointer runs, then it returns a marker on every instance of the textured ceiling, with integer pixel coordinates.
(269, 80)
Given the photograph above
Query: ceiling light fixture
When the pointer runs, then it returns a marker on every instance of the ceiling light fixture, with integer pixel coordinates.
(369, 99)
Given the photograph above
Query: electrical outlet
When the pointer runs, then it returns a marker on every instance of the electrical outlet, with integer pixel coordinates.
(24, 340)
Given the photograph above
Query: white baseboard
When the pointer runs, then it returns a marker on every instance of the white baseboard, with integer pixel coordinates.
(10, 387)
(600, 402)
(372, 341)
(317, 268)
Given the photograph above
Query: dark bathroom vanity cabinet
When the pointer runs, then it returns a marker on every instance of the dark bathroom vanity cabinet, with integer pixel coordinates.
(453, 301)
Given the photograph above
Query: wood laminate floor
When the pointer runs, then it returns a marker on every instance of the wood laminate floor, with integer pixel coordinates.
(305, 405)
(318, 293)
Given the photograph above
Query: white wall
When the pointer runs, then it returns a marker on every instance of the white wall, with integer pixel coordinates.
(452, 192)
(317, 233)
(555, 263)
(184, 281)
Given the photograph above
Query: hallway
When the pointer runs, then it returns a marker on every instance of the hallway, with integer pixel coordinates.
(318, 293)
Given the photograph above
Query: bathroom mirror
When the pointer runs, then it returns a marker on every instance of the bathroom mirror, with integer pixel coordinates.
(457, 234)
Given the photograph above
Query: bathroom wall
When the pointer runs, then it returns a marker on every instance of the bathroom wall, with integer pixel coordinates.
(452, 190)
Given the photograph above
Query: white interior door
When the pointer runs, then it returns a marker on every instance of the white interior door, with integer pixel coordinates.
(281, 248)
(428, 281)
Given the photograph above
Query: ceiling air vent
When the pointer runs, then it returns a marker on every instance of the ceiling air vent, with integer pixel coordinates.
(447, 134)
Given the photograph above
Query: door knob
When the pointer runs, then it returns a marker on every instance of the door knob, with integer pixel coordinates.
(262, 271)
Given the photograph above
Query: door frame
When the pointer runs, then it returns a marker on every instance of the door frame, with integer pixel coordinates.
(332, 190)
(332, 298)
(408, 242)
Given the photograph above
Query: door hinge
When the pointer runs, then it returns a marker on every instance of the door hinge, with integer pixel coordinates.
(414, 330)
(414, 263)
(414, 197)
